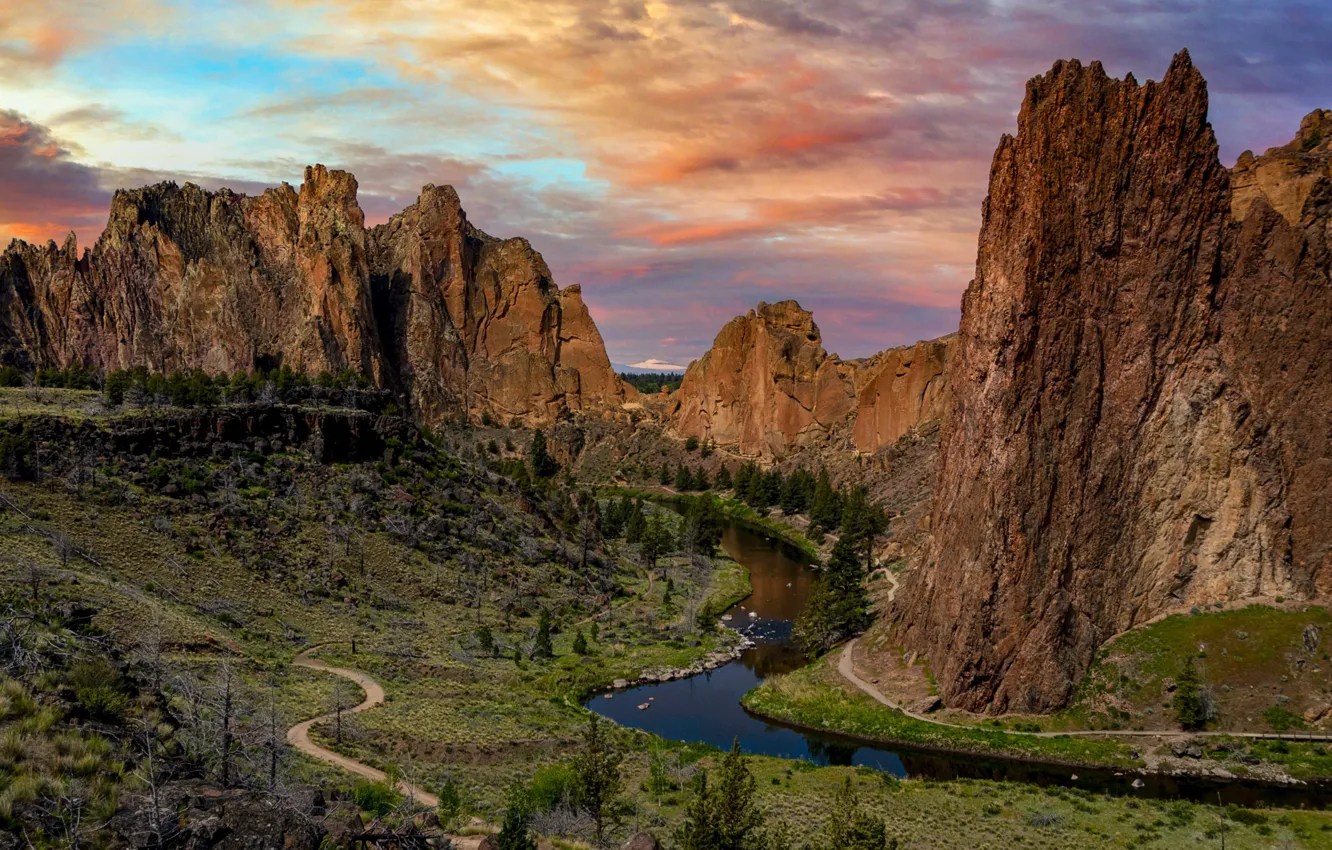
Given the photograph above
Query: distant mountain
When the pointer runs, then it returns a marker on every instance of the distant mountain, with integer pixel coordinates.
(649, 367)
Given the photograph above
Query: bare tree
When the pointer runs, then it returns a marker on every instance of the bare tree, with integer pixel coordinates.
(341, 702)
(64, 547)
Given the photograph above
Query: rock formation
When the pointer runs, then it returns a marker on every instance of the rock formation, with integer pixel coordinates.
(765, 386)
(428, 305)
(1139, 407)
(898, 389)
(1285, 176)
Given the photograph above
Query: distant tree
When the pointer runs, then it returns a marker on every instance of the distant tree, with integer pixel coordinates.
(701, 481)
(597, 778)
(723, 480)
(542, 647)
(634, 523)
(691, 444)
(580, 643)
(708, 448)
(705, 520)
(684, 479)
(698, 831)
(825, 510)
(656, 541)
(485, 640)
(665, 477)
(1186, 701)
(543, 465)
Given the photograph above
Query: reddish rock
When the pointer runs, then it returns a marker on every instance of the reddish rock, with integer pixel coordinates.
(900, 388)
(1138, 407)
(426, 304)
(765, 386)
(1285, 176)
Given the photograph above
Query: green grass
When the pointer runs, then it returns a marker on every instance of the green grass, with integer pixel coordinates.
(1251, 657)
(816, 697)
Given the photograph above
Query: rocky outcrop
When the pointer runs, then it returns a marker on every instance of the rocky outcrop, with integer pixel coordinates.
(765, 386)
(1285, 176)
(900, 388)
(1138, 412)
(455, 320)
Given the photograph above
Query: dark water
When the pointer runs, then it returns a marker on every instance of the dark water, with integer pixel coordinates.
(706, 708)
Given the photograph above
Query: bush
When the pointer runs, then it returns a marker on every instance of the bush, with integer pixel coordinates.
(16, 455)
(377, 798)
(98, 689)
(11, 377)
(550, 787)
(1281, 718)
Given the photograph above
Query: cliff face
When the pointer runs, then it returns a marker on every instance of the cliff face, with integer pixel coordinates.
(1138, 404)
(898, 389)
(1285, 176)
(765, 386)
(426, 304)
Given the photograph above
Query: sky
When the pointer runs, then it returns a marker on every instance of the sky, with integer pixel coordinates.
(682, 160)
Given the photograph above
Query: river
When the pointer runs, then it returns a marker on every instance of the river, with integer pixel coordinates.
(706, 708)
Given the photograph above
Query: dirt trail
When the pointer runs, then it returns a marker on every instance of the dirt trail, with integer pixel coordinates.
(846, 667)
(299, 735)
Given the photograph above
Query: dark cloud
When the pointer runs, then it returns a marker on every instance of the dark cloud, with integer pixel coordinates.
(43, 192)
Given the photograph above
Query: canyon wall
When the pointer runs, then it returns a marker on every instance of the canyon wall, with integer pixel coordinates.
(766, 387)
(1138, 407)
(428, 305)
(900, 388)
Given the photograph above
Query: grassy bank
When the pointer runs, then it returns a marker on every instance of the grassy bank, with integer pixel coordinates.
(818, 698)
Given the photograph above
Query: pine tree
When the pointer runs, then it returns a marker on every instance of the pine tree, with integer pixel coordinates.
(838, 605)
(580, 643)
(723, 481)
(634, 525)
(1187, 701)
(684, 481)
(736, 817)
(701, 480)
(516, 834)
(665, 477)
(597, 779)
(698, 831)
(543, 465)
(542, 647)
(656, 541)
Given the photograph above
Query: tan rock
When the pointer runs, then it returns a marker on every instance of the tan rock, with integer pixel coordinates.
(1285, 176)
(765, 386)
(898, 389)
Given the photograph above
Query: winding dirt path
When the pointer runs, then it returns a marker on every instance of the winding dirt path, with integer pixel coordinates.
(846, 667)
(299, 735)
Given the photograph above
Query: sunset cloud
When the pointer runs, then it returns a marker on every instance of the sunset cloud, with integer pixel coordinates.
(681, 159)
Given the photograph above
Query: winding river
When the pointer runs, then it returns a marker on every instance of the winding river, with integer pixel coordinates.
(706, 708)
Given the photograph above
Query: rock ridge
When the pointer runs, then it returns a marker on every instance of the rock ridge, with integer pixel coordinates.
(455, 320)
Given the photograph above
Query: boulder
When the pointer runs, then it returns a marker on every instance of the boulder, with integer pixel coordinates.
(642, 841)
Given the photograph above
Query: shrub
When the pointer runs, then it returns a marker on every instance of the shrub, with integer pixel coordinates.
(377, 798)
(550, 787)
(1281, 718)
(98, 689)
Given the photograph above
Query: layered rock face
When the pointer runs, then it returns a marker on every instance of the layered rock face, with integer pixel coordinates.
(765, 386)
(898, 389)
(1138, 408)
(428, 305)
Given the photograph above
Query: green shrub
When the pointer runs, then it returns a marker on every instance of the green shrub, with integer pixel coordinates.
(98, 689)
(377, 798)
(550, 786)
(1281, 718)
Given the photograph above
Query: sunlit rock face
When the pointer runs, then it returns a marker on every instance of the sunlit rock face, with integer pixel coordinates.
(456, 320)
(1138, 408)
